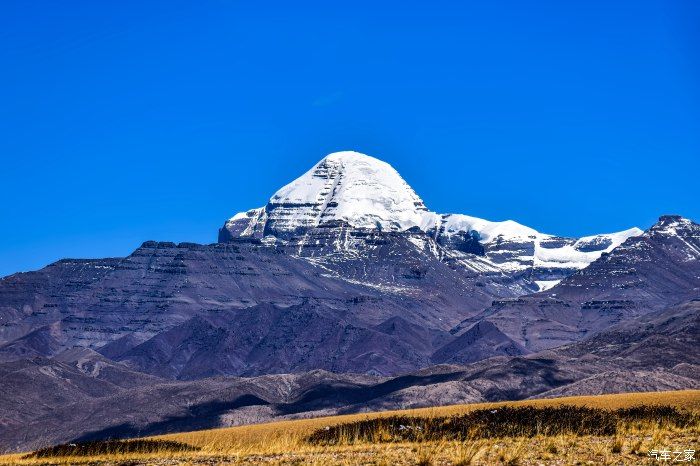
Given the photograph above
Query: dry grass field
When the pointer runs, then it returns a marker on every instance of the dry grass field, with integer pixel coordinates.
(287, 442)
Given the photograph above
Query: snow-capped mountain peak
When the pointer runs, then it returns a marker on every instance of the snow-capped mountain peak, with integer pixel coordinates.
(348, 186)
(669, 225)
(365, 193)
(347, 177)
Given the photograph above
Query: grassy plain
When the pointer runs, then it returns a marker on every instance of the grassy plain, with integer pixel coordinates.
(286, 442)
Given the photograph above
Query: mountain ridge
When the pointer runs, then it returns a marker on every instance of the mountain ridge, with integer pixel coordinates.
(363, 193)
(93, 407)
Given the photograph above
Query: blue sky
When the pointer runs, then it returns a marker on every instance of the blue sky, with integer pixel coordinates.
(127, 121)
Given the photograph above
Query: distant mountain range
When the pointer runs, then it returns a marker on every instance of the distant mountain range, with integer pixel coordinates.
(344, 293)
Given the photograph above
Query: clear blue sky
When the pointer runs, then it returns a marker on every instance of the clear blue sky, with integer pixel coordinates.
(123, 121)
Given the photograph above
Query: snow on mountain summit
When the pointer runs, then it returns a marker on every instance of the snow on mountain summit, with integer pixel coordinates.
(358, 189)
(517, 247)
(354, 189)
(488, 231)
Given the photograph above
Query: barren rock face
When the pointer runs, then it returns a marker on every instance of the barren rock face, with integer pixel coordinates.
(187, 311)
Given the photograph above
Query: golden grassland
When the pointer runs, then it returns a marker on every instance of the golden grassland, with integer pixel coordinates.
(285, 442)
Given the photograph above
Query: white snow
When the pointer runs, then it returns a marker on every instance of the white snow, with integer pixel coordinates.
(488, 231)
(356, 188)
(670, 228)
(565, 256)
(242, 215)
(368, 193)
(571, 256)
(546, 284)
(617, 237)
(247, 221)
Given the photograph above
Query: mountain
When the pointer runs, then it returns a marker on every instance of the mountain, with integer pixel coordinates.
(349, 187)
(48, 401)
(349, 192)
(135, 309)
(344, 293)
(345, 270)
(646, 273)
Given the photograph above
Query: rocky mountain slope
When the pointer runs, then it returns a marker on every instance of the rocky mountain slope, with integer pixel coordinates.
(81, 395)
(184, 306)
(648, 272)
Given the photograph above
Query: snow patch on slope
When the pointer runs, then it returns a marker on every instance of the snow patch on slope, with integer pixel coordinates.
(488, 231)
(544, 285)
(579, 254)
(567, 253)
